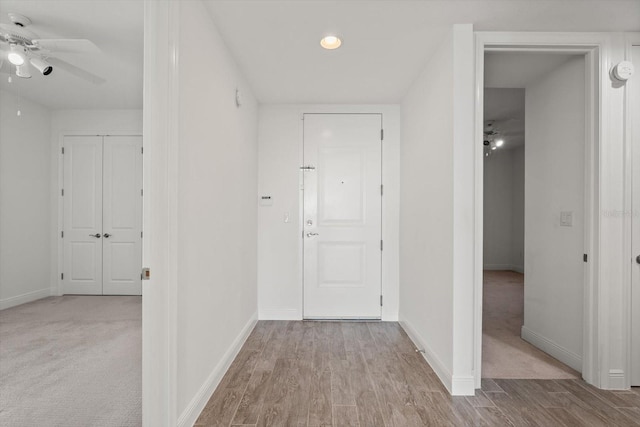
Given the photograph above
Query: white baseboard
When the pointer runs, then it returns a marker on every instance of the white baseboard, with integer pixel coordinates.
(562, 354)
(190, 415)
(617, 380)
(280, 314)
(518, 268)
(441, 371)
(24, 298)
(463, 386)
(504, 267)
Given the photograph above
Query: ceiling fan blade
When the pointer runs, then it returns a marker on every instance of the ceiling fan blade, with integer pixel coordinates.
(76, 71)
(67, 45)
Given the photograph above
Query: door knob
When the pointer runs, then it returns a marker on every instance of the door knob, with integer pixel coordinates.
(638, 259)
(312, 234)
(97, 236)
(106, 235)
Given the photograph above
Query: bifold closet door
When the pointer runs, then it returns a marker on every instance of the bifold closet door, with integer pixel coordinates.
(122, 215)
(82, 215)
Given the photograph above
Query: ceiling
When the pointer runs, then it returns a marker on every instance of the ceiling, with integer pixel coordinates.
(518, 70)
(507, 75)
(386, 43)
(115, 26)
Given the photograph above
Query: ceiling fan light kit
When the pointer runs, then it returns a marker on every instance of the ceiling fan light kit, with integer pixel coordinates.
(24, 49)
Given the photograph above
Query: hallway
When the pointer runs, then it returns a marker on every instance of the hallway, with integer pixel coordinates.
(292, 373)
(504, 353)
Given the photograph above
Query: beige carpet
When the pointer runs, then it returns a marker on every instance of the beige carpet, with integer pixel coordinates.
(504, 353)
(71, 361)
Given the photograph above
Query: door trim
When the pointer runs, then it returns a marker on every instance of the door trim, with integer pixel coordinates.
(600, 128)
(301, 212)
(631, 40)
(58, 290)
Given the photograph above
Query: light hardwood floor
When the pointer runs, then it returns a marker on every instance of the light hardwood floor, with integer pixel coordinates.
(368, 374)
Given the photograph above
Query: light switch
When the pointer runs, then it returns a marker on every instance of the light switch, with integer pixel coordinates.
(566, 219)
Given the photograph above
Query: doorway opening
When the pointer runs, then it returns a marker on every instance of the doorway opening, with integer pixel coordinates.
(535, 231)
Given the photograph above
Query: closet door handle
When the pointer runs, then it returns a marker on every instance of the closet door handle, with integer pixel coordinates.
(107, 235)
(97, 236)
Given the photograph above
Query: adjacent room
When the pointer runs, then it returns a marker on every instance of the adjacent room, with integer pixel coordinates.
(534, 151)
(71, 213)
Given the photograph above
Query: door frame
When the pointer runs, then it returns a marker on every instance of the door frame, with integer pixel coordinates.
(301, 208)
(631, 40)
(59, 289)
(596, 48)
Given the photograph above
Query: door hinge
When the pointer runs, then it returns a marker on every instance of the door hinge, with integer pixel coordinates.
(141, 234)
(142, 192)
(62, 192)
(61, 276)
(380, 300)
(141, 150)
(585, 257)
(381, 190)
(381, 245)
(62, 234)
(62, 150)
(381, 134)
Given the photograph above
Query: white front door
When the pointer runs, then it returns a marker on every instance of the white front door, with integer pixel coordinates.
(634, 96)
(342, 215)
(122, 217)
(82, 215)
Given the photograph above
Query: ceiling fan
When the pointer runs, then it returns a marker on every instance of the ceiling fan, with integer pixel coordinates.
(23, 49)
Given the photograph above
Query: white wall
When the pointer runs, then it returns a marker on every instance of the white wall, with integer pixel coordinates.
(279, 176)
(216, 215)
(24, 200)
(437, 227)
(517, 209)
(97, 122)
(503, 235)
(426, 212)
(554, 182)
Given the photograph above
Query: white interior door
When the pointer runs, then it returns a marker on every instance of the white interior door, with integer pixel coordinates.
(82, 272)
(122, 215)
(634, 96)
(342, 215)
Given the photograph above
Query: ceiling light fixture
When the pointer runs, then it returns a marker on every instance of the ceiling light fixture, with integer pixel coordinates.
(499, 142)
(23, 71)
(41, 65)
(15, 56)
(330, 42)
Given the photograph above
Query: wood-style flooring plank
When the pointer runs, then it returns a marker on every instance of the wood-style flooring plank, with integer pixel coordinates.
(368, 374)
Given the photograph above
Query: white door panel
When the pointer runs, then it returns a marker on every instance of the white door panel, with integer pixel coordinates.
(634, 96)
(122, 222)
(342, 215)
(83, 215)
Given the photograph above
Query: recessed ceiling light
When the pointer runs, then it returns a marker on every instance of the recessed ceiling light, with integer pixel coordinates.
(499, 143)
(330, 42)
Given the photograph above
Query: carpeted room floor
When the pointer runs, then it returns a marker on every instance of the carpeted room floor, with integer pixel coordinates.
(72, 361)
(504, 353)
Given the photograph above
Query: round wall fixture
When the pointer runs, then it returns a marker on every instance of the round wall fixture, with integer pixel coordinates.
(330, 42)
(623, 71)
